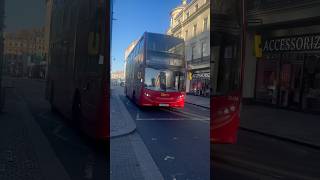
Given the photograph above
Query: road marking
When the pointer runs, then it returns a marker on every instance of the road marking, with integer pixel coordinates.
(174, 176)
(171, 119)
(186, 114)
(169, 157)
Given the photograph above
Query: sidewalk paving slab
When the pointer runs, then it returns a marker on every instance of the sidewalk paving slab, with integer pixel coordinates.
(28, 152)
(198, 101)
(298, 127)
(121, 122)
(129, 157)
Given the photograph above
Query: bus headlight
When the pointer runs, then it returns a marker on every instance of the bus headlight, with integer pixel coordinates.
(181, 96)
(146, 94)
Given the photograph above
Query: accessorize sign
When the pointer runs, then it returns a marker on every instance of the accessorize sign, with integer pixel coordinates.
(294, 43)
(201, 75)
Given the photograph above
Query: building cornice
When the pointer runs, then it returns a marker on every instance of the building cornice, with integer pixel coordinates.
(195, 14)
(201, 9)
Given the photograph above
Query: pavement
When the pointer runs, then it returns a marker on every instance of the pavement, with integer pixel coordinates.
(289, 125)
(130, 158)
(120, 121)
(198, 100)
(25, 152)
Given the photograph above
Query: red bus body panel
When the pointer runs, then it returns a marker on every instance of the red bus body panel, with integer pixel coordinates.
(225, 115)
(159, 98)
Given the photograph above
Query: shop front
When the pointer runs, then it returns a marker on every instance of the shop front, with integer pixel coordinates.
(288, 73)
(200, 83)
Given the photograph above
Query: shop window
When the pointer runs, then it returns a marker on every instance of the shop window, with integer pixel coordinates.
(266, 81)
(193, 51)
(311, 97)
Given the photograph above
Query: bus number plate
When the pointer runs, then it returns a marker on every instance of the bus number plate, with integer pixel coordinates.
(164, 105)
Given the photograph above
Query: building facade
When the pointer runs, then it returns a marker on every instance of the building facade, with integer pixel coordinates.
(117, 75)
(282, 65)
(23, 50)
(191, 22)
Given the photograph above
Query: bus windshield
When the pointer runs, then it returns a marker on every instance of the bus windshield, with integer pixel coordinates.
(164, 80)
(165, 43)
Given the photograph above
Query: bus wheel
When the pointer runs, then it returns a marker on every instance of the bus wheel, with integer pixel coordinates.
(76, 109)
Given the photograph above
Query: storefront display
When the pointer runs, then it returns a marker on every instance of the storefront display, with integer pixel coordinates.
(289, 78)
(200, 83)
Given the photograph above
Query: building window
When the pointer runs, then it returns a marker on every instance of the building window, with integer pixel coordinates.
(197, 7)
(186, 34)
(178, 35)
(194, 30)
(205, 24)
(193, 51)
(202, 49)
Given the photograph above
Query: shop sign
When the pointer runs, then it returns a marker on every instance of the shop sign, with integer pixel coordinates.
(294, 43)
(201, 75)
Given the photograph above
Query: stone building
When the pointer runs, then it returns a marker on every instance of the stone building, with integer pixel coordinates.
(191, 22)
(24, 49)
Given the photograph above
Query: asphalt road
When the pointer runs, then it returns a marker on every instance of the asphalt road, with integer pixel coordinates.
(82, 157)
(261, 157)
(177, 139)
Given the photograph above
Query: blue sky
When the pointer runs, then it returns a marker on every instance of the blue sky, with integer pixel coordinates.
(21, 14)
(133, 18)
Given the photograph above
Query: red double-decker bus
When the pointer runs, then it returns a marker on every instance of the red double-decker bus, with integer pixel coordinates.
(155, 71)
(78, 63)
(227, 54)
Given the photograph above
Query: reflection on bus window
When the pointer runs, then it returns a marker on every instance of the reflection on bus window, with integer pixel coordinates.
(227, 64)
(164, 80)
(164, 44)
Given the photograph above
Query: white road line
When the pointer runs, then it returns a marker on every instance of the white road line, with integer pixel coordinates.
(169, 119)
(180, 113)
(206, 120)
